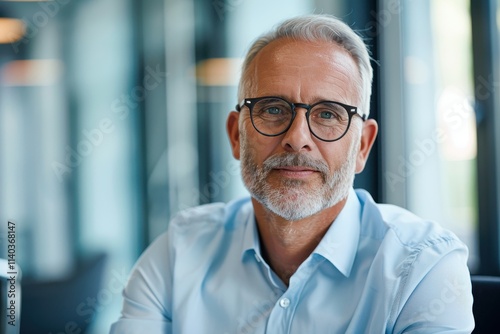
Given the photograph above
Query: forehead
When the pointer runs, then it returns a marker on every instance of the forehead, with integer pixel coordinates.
(302, 69)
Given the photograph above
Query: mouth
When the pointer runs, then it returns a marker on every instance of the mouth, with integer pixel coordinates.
(295, 171)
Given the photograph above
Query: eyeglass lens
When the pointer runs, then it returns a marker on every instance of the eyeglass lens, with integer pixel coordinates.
(327, 120)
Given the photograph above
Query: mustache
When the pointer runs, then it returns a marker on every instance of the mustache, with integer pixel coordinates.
(295, 160)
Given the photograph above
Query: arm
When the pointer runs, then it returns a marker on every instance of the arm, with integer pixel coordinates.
(147, 296)
(441, 301)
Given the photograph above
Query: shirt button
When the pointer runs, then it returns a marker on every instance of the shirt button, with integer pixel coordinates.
(284, 302)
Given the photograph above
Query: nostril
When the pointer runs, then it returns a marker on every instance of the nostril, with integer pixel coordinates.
(296, 140)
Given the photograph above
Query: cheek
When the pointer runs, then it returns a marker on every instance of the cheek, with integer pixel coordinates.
(258, 146)
(337, 153)
(335, 159)
(262, 150)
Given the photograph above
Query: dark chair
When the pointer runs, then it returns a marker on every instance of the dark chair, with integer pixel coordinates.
(55, 307)
(486, 308)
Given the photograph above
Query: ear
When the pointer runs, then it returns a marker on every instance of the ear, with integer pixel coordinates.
(368, 135)
(233, 133)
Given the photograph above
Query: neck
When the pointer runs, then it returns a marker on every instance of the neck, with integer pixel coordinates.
(286, 244)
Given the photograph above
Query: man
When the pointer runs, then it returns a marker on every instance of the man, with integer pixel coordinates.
(307, 253)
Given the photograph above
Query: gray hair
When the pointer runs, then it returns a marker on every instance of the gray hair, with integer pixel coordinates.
(312, 28)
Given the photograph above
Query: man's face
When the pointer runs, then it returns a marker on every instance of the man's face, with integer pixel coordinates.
(296, 175)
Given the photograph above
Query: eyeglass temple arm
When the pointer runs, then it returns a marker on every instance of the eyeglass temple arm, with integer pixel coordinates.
(240, 105)
(364, 117)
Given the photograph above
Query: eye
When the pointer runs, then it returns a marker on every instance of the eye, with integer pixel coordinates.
(273, 111)
(326, 115)
(328, 112)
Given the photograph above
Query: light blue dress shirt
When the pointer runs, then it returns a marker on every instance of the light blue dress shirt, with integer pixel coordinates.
(378, 269)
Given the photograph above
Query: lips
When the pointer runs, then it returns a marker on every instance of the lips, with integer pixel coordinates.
(295, 171)
(294, 166)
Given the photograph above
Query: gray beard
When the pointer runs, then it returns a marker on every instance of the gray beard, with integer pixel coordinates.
(295, 199)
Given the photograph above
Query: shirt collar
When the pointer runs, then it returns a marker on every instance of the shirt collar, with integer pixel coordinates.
(251, 243)
(340, 243)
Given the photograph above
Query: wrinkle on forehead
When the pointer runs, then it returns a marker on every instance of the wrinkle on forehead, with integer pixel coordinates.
(296, 61)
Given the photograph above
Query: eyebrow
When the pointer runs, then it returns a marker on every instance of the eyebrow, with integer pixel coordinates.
(315, 99)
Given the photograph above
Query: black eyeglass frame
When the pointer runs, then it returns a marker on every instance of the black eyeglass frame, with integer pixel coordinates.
(250, 102)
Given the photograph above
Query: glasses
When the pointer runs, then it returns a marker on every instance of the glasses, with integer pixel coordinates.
(273, 116)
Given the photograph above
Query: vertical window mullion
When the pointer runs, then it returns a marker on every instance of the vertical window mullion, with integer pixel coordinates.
(486, 72)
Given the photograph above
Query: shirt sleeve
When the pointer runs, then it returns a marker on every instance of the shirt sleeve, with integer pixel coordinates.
(147, 296)
(441, 301)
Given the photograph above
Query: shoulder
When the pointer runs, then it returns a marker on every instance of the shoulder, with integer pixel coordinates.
(383, 221)
(192, 229)
(205, 224)
(405, 242)
(416, 259)
(191, 226)
(211, 216)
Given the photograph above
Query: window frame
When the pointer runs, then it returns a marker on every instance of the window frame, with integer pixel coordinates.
(486, 69)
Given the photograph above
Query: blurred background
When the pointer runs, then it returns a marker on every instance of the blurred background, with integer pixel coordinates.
(112, 119)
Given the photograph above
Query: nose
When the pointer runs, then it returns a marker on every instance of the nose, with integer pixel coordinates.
(298, 137)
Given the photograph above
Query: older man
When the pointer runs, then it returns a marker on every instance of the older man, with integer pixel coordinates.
(306, 253)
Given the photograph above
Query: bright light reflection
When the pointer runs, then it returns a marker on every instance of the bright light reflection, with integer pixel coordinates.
(218, 71)
(458, 126)
(11, 30)
(40, 72)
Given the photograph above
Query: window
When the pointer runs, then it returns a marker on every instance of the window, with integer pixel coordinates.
(439, 64)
